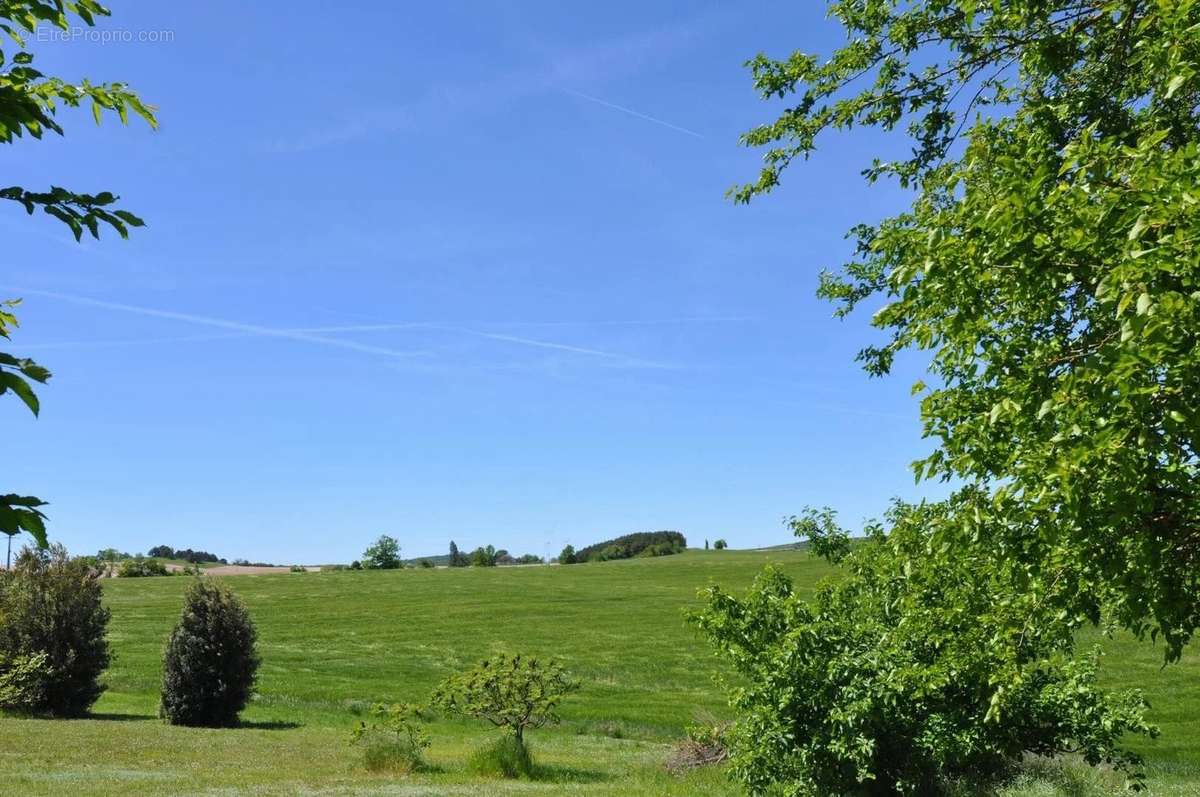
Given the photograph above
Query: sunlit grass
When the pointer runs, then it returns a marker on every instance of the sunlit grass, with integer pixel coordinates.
(334, 642)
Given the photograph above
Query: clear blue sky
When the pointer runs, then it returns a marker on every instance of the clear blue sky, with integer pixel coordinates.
(444, 271)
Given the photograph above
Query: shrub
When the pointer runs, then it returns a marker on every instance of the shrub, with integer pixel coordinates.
(567, 557)
(298, 569)
(836, 696)
(510, 692)
(52, 638)
(140, 567)
(210, 663)
(506, 757)
(356, 565)
(383, 555)
(394, 740)
(425, 563)
(720, 545)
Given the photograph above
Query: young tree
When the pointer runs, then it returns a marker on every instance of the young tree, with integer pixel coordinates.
(567, 557)
(383, 555)
(28, 105)
(511, 692)
(720, 545)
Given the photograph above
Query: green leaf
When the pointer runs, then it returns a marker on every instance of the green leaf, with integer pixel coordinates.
(15, 383)
(1174, 85)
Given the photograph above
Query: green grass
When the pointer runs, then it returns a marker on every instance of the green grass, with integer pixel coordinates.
(334, 642)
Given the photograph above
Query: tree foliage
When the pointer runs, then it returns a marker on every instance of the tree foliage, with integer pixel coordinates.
(644, 543)
(1048, 268)
(1048, 263)
(511, 692)
(384, 554)
(29, 104)
(902, 679)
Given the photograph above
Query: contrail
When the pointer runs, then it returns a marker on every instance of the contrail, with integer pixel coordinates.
(541, 344)
(631, 112)
(220, 323)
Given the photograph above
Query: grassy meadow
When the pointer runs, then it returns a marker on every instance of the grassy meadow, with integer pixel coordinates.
(334, 642)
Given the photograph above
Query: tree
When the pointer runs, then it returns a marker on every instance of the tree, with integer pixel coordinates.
(1048, 263)
(1048, 267)
(484, 557)
(510, 692)
(720, 545)
(457, 559)
(383, 555)
(567, 557)
(162, 552)
(29, 102)
(211, 661)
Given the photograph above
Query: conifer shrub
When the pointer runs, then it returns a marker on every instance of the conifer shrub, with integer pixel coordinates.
(211, 660)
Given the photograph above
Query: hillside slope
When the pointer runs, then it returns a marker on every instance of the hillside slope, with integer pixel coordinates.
(333, 642)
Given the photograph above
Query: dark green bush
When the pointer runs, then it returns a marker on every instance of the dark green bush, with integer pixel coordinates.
(52, 635)
(505, 757)
(211, 661)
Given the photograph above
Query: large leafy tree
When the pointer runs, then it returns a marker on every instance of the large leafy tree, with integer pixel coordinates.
(1048, 267)
(1049, 264)
(29, 104)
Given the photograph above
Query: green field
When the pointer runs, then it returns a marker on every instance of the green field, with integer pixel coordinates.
(334, 642)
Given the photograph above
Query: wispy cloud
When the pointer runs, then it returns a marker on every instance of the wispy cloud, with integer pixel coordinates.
(583, 65)
(631, 112)
(254, 330)
(313, 335)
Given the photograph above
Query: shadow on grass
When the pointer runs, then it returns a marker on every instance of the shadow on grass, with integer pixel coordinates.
(269, 725)
(121, 717)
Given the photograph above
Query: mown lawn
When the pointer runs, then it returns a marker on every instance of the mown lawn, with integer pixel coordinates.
(334, 642)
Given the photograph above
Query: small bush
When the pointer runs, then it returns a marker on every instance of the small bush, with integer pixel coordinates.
(140, 567)
(426, 564)
(52, 638)
(394, 740)
(298, 569)
(506, 757)
(356, 565)
(210, 663)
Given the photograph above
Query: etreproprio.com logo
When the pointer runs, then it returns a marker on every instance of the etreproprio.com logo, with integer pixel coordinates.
(83, 34)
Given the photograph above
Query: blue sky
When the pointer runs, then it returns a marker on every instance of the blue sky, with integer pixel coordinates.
(448, 271)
